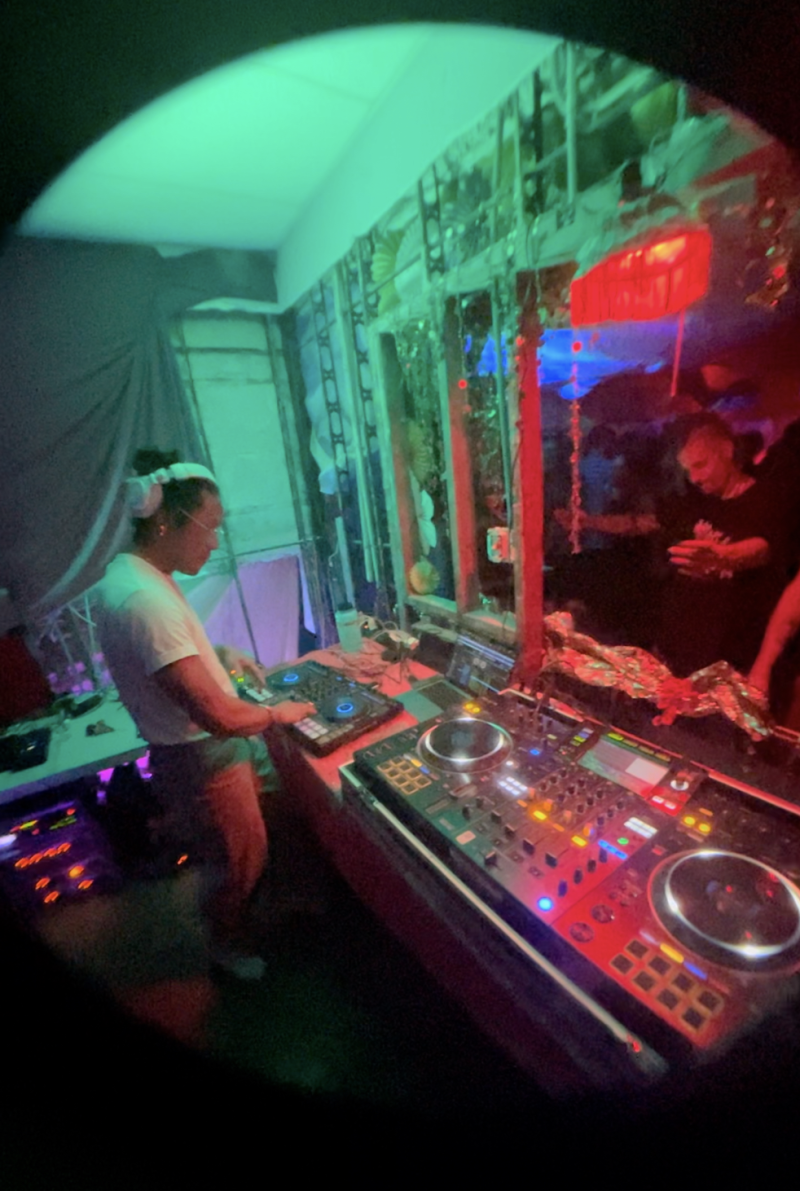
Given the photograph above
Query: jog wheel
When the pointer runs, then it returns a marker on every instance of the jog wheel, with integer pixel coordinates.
(465, 745)
(341, 707)
(286, 682)
(729, 908)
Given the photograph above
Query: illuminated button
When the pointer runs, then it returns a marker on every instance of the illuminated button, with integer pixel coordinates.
(545, 903)
(704, 827)
(579, 841)
(693, 968)
(77, 870)
(689, 820)
(672, 953)
(52, 897)
(623, 841)
(42, 883)
(539, 815)
(85, 884)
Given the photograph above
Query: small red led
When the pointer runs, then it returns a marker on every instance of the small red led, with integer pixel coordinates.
(462, 384)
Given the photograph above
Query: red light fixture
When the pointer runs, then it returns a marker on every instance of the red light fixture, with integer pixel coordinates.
(645, 280)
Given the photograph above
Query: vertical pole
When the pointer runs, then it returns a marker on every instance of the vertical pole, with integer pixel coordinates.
(571, 128)
(229, 551)
(500, 397)
(530, 518)
(676, 364)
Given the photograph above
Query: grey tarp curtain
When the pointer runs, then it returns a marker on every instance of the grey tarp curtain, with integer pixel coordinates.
(88, 375)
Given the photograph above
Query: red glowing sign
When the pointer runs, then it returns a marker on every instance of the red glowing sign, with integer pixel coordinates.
(644, 282)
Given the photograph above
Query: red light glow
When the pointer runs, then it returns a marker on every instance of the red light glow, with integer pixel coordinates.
(648, 281)
(462, 384)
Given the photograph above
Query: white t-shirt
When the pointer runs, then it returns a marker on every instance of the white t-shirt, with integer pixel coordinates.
(144, 622)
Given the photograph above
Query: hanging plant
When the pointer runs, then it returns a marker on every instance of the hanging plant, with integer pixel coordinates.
(421, 455)
(423, 578)
(384, 264)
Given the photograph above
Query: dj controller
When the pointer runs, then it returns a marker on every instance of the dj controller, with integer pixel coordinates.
(668, 892)
(54, 856)
(345, 709)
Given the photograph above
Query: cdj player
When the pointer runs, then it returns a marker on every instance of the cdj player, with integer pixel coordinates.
(667, 893)
(345, 709)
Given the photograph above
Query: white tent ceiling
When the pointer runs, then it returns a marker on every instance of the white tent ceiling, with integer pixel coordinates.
(297, 149)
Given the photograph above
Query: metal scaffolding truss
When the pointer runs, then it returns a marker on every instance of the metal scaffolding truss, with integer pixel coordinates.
(330, 389)
(357, 305)
(299, 483)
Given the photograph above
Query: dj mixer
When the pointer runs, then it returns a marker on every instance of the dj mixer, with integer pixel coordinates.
(668, 892)
(345, 709)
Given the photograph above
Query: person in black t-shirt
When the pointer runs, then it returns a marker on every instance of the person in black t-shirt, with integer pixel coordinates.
(725, 552)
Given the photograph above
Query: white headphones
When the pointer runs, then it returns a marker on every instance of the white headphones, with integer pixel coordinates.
(145, 493)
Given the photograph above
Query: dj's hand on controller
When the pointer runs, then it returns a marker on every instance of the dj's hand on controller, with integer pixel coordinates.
(291, 712)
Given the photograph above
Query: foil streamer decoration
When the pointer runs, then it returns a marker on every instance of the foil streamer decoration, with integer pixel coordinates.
(575, 473)
(715, 689)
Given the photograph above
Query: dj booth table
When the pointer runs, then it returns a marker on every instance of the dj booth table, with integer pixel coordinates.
(531, 1010)
(604, 997)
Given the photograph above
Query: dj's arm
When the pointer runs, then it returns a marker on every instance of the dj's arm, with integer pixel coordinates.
(618, 524)
(188, 683)
(703, 558)
(783, 624)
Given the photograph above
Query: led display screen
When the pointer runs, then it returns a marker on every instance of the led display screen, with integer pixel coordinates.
(622, 762)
